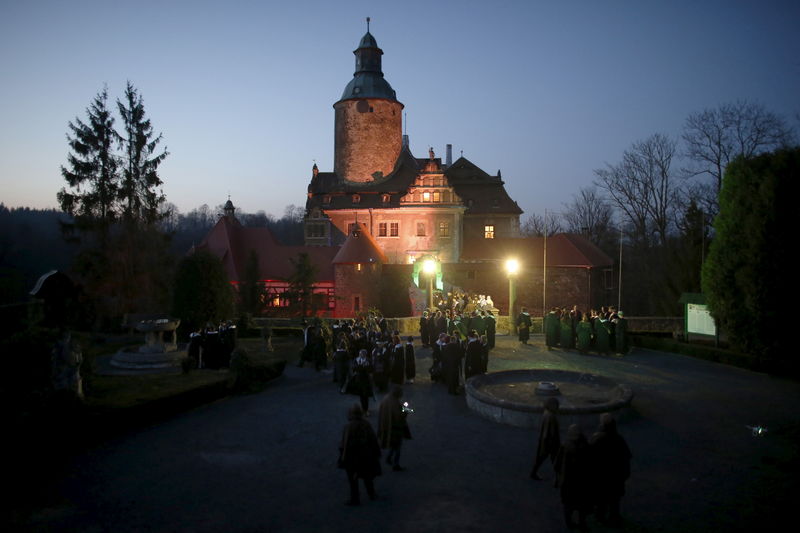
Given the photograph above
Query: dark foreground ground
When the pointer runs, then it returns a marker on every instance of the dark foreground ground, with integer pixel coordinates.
(266, 462)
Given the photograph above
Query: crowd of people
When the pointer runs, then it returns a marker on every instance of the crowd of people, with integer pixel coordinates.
(211, 347)
(590, 473)
(603, 331)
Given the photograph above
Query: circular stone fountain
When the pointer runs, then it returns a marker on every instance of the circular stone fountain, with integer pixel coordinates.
(157, 353)
(516, 397)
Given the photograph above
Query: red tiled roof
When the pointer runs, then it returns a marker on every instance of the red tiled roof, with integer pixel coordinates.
(232, 243)
(563, 250)
(360, 247)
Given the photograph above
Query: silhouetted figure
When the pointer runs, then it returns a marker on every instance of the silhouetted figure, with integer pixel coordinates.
(549, 437)
(393, 426)
(612, 466)
(572, 468)
(359, 454)
(452, 354)
(524, 326)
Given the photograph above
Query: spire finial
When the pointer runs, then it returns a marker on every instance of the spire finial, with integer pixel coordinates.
(367, 24)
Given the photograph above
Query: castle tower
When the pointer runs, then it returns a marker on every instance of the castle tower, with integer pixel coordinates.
(368, 124)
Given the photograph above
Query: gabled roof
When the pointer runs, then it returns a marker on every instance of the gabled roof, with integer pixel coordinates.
(360, 247)
(482, 193)
(232, 243)
(396, 184)
(563, 250)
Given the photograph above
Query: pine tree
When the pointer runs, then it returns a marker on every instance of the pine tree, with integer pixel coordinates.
(92, 174)
(138, 194)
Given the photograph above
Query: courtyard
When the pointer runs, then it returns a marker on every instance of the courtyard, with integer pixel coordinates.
(267, 461)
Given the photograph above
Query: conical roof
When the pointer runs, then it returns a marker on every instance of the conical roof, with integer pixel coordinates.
(360, 247)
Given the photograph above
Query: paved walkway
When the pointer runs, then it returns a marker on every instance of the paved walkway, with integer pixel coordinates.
(266, 462)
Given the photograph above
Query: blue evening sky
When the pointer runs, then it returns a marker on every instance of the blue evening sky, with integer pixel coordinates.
(243, 90)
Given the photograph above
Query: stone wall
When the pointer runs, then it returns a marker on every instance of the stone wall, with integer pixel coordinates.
(356, 288)
(368, 138)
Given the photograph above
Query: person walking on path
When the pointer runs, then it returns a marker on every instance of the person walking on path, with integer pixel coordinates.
(611, 460)
(359, 454)
(361, 374)
(549, 437)
(393, 426)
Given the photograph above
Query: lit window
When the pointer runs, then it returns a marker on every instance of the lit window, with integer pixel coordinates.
(386, 198)
(444, 229)
(356, 198)
(394, 229)
(420, 229)
(488, 232)
(358, 267)
(382, 229)
(437, 196)
(426, 196)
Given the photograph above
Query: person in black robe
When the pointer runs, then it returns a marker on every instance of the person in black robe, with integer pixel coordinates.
(452, 354)
(524, 326)
(424, 330)
(410, 360)
(436, 370)
(393, 426)
(552, 329)
(381, 366)
(361, 380)
(491, 330)
(359, 454)
(611, 461)
(573, 468)
(397, 361)
(473, 363)
(341, 362)
(549, 437)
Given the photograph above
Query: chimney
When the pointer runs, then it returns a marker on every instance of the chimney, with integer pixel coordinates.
(449, 160)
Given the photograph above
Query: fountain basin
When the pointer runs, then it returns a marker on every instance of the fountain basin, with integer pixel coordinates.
(510, 397)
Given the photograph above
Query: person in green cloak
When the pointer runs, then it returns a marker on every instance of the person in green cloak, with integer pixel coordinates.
(552, 329)
(601, 335)
(566, 338)
(583, 333)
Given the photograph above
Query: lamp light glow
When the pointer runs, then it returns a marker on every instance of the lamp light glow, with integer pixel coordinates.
(512, 266)
(429, 266)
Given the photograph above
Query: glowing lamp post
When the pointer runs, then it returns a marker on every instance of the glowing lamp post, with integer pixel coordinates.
(429, 267)
(512, 267)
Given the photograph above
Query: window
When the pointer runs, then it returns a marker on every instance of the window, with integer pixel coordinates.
(444, 229)
(358, 267)
(356, 198)
(426, 196)
(420, 229)
(356, 303)
(437, 196)
(326, 199)
(394, 229)
(488, 232)
(386, 198)
(315, 230)
(351, 227)
(382, 229)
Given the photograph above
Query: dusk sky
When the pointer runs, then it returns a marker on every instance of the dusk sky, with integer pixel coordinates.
(243, 91)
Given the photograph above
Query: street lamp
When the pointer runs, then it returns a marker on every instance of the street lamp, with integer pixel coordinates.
(512, 267)
(429, 267)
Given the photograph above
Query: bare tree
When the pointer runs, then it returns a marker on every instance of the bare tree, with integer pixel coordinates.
(643, 187)
(590, 214)
(537, 226)
(714, 137)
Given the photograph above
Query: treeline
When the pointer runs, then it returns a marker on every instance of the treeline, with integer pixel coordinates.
(32, 241)
(658, 202)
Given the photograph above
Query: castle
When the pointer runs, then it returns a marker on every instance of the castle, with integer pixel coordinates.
(370, 221)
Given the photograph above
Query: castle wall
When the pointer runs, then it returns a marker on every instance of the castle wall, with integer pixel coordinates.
(441, 228)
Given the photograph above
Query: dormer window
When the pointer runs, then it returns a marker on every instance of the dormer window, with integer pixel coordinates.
(326, 199)
(356, 198)
(385, 198)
